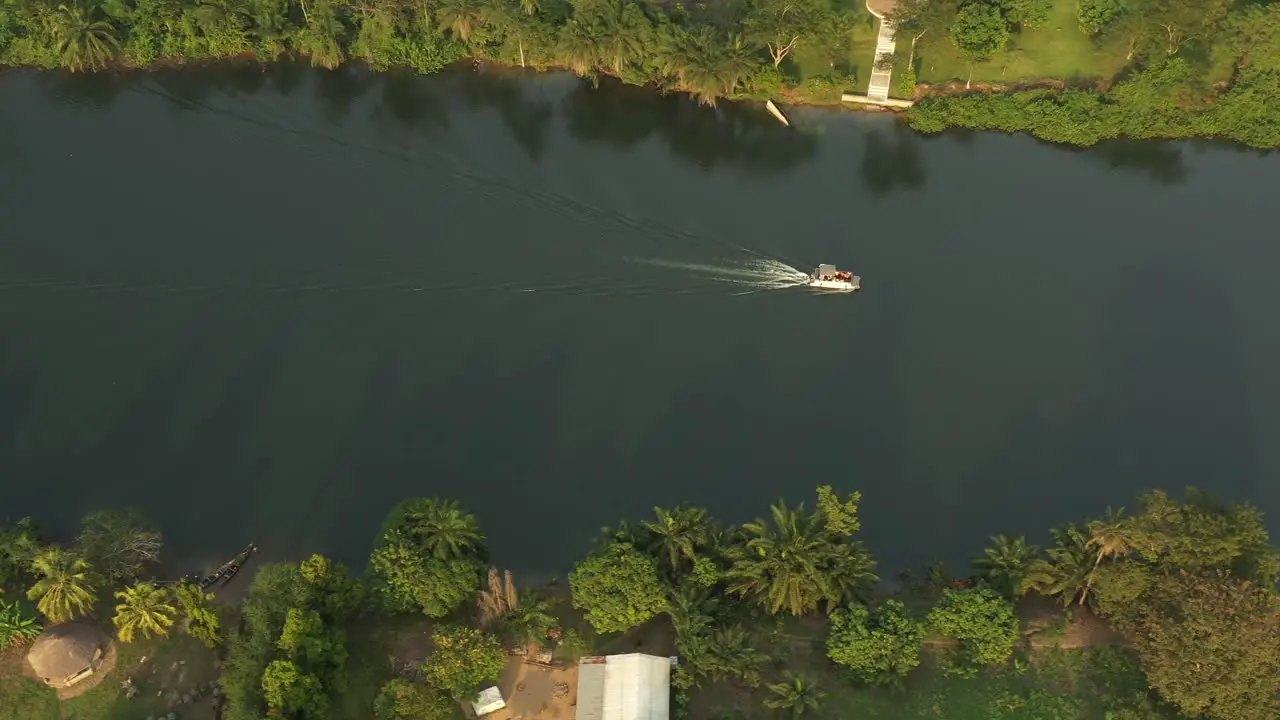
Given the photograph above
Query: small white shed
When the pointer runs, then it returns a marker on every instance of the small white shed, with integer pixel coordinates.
(489, 700)
(624, 687)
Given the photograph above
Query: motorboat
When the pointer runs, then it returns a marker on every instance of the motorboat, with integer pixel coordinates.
(829, 277)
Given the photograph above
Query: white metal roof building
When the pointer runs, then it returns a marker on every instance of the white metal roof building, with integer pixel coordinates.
(624, 687)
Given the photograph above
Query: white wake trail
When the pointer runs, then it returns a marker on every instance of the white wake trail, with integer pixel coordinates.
(757, 273)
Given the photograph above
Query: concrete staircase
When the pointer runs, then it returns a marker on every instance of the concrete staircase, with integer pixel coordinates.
(878, 89)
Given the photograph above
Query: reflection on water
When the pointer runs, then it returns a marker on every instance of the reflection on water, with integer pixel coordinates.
(737, 135)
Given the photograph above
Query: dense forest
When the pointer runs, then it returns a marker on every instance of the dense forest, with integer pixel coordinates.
(1074, 71)
(785, 614)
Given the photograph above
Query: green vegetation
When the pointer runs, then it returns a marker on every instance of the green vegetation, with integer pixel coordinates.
(1132, 68)
(463, 660)
(1074, 71)
(1169, 612)
(144, 609)
(878, 646)
(981, 622)
(428, 557)
(17, 627)
(618, 587)
(711, 51)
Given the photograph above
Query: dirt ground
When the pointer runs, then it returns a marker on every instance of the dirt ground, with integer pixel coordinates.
(530, 692)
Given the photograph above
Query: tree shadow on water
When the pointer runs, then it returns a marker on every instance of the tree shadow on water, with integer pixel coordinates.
(409, 103)
(339, 89)
(527, 118)
(732, 134)
(1159, 160)
(193, 88)
(93, 90)
(891, 161)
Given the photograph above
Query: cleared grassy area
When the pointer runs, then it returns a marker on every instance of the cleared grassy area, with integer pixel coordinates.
(1055, 51)
(23, 699)
(173, 667)
(1046, 684)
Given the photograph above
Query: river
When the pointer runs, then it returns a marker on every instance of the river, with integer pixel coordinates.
(268, 305)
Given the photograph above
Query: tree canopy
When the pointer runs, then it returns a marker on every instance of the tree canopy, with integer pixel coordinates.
(619, 588)
(876, 646)
(982, 622)
(1210, 644)
(463, 660)
(429, 557)
(798, 561)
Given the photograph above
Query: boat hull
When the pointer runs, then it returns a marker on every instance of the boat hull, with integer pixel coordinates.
(835, 285)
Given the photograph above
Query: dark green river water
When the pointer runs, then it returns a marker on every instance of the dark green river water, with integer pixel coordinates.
(268, 305)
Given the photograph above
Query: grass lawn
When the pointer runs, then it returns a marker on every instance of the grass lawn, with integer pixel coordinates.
(1057, 50)
(174, 666)
(23, 699)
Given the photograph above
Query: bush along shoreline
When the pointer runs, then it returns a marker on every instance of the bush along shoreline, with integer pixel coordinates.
(1119, 68)
(1168, 612)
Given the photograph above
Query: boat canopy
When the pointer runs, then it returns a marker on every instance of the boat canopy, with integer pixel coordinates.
(825, 269)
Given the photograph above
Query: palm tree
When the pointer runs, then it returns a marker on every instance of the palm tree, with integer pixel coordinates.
(678, 534)
(610, 34)
(793, 563)
(707, 66)
(1071, 563)
(1011, 566)
(83, 42)
(530, 7)
(16, 628)
(1113, 536)
(531, 620)
(143, 608)
(692, 611)
(215, 15)
(65, 590)
(443, 528)
(797, 695)
(460, 17)
(320, 37)
(730, 653)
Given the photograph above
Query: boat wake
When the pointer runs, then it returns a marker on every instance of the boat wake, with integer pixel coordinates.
(754, 274)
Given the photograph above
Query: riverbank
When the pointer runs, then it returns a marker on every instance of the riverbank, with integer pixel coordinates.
(1114, 75)
(1115, 618)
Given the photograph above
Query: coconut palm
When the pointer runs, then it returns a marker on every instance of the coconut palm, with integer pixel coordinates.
(708, 66)
(442, 528)
(730, 653)
(797, 695)
(1011, 566)
(16, 627)
(1113, 536)
(461, 17)
(216, 15)
(677, 535)
(144, 608)
(692, 611)
(1069, 572)
(65, 589)
(320, 36)
(609, 34)
(83, 40)
(791, 562)
(530, 620)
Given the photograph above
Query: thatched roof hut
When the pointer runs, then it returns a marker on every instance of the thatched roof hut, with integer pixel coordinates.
(68, 653)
